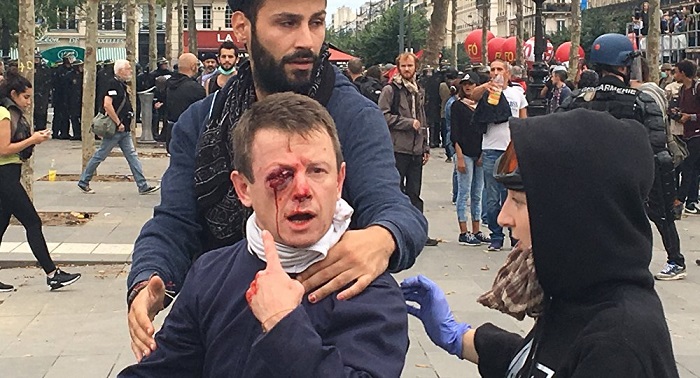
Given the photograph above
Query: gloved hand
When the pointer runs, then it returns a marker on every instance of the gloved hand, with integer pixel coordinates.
(435, 313)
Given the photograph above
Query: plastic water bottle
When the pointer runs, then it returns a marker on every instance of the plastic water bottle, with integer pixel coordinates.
(52, 170)
(495, 95)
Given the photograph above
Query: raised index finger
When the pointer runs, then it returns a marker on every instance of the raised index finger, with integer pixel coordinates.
(271, 255)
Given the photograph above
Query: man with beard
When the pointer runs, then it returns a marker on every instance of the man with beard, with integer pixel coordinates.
(287, 54)
(42, 91)
(403, 105)
(210, 65)
(228, 57)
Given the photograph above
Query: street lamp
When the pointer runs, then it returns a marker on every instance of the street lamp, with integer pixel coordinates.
(539, 69)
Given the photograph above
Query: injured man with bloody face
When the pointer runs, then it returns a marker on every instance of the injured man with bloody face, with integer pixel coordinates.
(241, 313)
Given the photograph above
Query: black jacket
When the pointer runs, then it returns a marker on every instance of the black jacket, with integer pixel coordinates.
(591, 243)
(463, 132)
(181, 92)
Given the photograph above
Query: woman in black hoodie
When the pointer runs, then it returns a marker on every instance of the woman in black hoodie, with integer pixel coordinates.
(570, 183)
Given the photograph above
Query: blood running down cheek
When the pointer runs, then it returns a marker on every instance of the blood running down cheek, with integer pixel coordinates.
(278, 180)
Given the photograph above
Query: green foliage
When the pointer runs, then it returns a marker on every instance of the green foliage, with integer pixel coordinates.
(560, 37)
(44, 10)
(597, 21)
(378, 41)
(462, 57)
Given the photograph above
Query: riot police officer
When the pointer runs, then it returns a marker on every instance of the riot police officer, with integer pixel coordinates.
(75, 102)
(613, 56)
(42, 91)
(61, 93)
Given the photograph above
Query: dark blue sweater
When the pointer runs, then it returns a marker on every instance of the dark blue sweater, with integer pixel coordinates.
(168, 242)
(211, 331)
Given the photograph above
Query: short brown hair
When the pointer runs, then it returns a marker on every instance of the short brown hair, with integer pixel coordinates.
(405, 55)
(287, 112)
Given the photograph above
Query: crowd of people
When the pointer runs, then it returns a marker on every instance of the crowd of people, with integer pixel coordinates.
(294, 189)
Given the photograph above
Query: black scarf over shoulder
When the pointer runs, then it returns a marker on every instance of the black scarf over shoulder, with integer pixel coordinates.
(218, 205)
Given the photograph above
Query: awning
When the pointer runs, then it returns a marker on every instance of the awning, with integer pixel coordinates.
(110, 53)
(339, 56)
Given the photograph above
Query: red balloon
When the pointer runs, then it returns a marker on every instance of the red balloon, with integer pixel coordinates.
(563, 50)
(495, 48)
(508, 49)
(472, 44)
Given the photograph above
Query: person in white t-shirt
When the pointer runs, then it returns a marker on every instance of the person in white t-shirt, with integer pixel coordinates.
(494, 144)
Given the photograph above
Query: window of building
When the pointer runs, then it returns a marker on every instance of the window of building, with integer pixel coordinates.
(66, 19)
(185, 17)
(227, 17)
(110, 17)
(206, 17)
(561, 25)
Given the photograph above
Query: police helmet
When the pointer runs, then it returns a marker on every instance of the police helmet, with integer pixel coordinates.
(613, 50)
(162, 61)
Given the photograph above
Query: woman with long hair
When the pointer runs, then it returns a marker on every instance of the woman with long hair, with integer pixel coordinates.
(16, 145)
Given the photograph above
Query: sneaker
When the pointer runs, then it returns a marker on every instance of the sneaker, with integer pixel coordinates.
(150, 189)
(448, 160)
(678, 211)
(431, 242)
(670, 272)
(482, 237)
(690, 208)
(4, 288)
(495, 246)
(86, 189)
(468, 239)
(61, 279)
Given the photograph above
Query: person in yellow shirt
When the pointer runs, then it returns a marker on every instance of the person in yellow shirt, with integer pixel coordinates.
(16, 145)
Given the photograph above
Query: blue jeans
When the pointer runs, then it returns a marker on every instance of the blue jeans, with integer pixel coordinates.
(123, 140)
(470, 186)
(446, 141)
(495, 194)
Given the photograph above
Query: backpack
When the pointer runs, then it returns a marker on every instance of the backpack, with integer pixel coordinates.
(370, 88)
(395, 101)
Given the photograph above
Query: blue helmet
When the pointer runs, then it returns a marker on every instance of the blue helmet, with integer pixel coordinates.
(613, 50)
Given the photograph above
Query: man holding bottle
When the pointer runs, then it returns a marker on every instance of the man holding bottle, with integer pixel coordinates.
(496, 140)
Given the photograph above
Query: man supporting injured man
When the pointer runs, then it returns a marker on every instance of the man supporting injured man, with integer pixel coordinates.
(241, 313)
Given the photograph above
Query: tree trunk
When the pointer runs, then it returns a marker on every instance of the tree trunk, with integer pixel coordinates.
(180, 28)
(436, 33)
(454, 34)
(575, 29)
(89, 80)
(168, 30)
(27, 44)
(152, 41)
(191, 27)
(485, 15)
(653, 41)
(519, 33)
(131, 38)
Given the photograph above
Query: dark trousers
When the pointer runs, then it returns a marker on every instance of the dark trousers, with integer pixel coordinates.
(61, 121)
(158, 116)
(410, 169)
(434, 134)
(168, 130)
(659, 208)
(40, 118)
(76, 126)
(688, 190)
(15, 201)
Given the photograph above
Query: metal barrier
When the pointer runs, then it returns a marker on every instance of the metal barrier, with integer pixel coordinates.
(677, 46)
(146, 99)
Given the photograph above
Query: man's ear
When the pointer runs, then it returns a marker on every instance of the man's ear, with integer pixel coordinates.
(242, 186)
(241, 26)
(341, 179)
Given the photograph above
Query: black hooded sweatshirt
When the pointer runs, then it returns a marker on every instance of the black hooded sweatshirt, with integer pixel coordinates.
(182, 91)
(591, 242)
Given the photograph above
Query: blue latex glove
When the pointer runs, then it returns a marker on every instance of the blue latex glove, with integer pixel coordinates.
(435, 313)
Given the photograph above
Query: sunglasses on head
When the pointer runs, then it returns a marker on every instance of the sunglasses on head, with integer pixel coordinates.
(507, 171)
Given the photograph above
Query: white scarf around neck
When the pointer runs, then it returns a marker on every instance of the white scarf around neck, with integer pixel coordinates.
(296, 260)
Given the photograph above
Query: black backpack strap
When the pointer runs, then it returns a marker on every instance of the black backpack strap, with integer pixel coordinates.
(395, 100)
